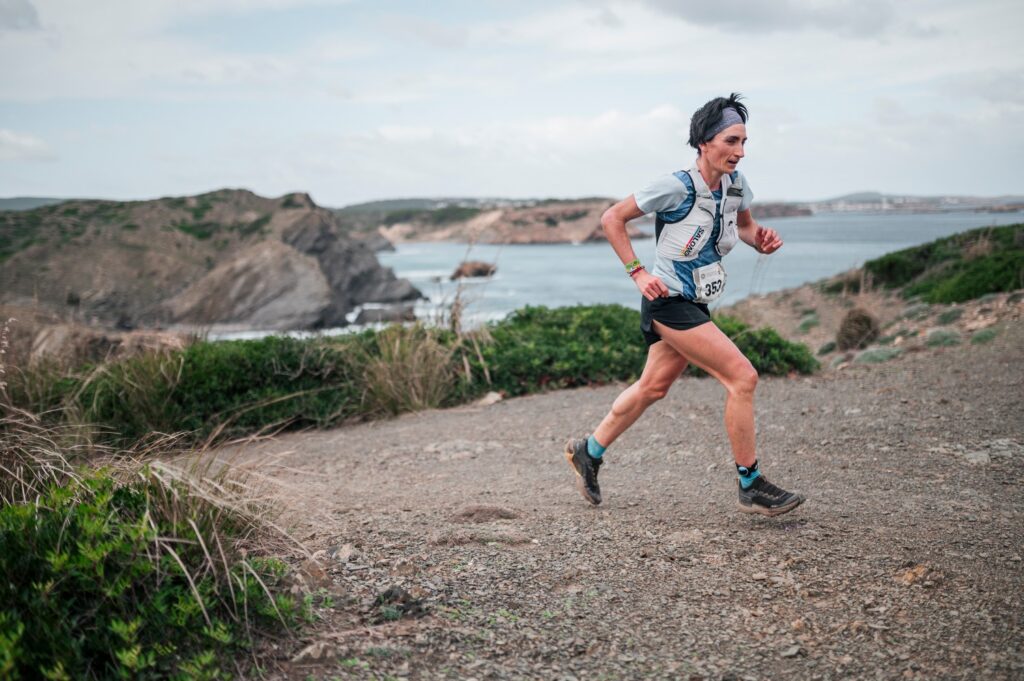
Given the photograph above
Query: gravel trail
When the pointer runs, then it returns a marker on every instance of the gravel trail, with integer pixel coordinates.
(905, 562)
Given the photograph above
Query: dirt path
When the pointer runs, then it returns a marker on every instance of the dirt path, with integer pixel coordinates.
(905, 562)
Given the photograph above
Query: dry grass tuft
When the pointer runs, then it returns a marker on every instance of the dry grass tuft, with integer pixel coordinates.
(408, 369)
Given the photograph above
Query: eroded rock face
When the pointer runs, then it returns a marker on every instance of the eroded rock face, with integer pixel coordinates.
(352, 271)
(267, 286)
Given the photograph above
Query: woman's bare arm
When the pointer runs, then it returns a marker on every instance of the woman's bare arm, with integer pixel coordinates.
(614, 224)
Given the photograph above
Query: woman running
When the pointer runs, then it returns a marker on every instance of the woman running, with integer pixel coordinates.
(700, 214)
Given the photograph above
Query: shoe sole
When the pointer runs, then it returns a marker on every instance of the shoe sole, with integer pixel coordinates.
(771, 512)
(581, 486)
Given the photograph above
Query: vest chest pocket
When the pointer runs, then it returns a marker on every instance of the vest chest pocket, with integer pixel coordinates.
(729, 237)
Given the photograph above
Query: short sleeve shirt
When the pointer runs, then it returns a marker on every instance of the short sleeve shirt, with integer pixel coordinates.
(673, 193)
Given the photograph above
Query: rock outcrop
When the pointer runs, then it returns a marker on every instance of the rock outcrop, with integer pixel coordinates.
(267, 286)
(473, 268)
(228, 257)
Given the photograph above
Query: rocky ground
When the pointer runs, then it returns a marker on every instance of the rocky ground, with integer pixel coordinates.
(452, 544)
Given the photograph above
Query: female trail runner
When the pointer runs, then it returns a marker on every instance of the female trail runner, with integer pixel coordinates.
(701, 213)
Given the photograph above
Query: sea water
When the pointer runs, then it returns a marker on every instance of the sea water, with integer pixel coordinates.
(556, 275)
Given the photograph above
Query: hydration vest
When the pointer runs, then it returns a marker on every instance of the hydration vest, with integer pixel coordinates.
(685, 238)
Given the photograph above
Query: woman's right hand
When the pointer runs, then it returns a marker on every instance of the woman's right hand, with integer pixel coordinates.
(650, 285)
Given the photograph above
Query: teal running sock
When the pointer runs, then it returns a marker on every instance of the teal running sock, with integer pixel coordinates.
(748, 474)
(595, 448)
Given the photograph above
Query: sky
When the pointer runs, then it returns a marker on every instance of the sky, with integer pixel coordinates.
(361, 100)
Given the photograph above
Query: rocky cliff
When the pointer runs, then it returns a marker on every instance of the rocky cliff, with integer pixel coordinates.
(229, 257)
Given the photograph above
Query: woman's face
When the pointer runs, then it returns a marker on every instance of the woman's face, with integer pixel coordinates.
(725, 149)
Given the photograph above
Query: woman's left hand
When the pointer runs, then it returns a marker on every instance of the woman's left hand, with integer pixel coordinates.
(766, 240)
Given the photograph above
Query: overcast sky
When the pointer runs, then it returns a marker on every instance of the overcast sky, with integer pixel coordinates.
(361, 100)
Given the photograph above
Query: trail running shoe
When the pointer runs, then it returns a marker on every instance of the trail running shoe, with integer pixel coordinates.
(765, 498)
(585, 467)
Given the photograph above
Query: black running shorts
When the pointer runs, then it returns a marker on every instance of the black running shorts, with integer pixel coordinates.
(675, 312)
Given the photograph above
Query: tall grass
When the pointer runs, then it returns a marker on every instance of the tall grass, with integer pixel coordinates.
(407, 369)
(119, 565)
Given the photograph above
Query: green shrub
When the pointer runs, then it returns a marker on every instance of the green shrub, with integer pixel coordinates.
(111, 580)
(227, 388)
(199, 230)
(808, 322)
(984, 336)
(243, 387)
(942, 338)
(916, 311)
(877, 355)
(538, 348)
(770, 353)
(993, 273)
(956, 268)
(951, 315)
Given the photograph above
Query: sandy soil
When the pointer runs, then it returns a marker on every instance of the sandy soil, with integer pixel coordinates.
(905, 562)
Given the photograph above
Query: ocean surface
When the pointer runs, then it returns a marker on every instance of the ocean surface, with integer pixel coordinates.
(557, 275)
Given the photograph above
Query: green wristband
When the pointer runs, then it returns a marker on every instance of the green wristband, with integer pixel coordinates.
(631, 266)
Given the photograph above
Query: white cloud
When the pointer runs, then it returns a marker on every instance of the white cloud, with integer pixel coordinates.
(16, 146)
(846, 17)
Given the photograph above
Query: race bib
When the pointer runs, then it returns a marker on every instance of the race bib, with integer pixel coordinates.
(709, 282)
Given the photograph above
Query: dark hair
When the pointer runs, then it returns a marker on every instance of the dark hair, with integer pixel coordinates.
(710, 115)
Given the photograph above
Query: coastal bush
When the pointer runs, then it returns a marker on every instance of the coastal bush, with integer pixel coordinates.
(127, 572)
(942, 338)
(957, 268)
(770, 353)
(808, 322)
(225, 389)
(971, 279)
(877, 355)
(538, 348)
(984, 336)
(235, 388)
(951, 315)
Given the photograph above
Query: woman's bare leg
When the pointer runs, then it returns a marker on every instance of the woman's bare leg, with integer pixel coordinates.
(710, 349)
(663, 367)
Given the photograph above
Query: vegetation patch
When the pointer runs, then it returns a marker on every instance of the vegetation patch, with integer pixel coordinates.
(808, 322)
(877, 355)
(951, 315)
(984, 336)
(957, 268)
(132, 571)
(231, 388)
(942, 338)
(198, 230)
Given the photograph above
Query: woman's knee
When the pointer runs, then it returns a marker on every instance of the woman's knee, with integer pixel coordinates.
(743, 380)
